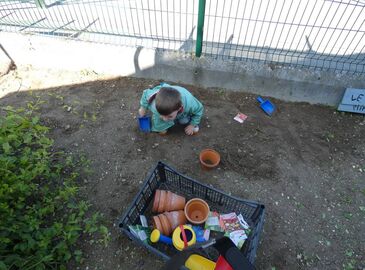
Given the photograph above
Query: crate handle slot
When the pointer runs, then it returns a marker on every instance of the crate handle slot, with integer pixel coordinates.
(161, 171)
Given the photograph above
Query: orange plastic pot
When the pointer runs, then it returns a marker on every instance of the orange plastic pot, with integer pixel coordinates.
(209, 159)
(196, 211)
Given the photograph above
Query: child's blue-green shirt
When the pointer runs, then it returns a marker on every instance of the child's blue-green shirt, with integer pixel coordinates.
(192, 107)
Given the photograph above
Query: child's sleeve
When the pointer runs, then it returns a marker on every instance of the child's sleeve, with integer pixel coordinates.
(144, 99)
(148, 93)
(196, 112)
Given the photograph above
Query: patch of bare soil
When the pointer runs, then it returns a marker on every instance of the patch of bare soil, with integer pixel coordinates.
(305, 163)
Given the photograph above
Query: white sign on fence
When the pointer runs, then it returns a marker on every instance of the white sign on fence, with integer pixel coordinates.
(353, 101)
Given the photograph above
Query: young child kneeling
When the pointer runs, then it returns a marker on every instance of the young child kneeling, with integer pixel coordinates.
(170, 104)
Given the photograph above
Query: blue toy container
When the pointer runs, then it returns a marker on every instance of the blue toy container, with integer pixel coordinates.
(144, 124)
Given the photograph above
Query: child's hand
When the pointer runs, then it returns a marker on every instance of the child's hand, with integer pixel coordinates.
(142, 112)
(189, 130)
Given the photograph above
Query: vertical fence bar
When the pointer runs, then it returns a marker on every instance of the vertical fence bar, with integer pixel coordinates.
(239, 35)
(199, 35)
(40, 3)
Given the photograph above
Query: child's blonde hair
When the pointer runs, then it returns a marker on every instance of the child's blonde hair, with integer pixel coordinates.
(168, 100)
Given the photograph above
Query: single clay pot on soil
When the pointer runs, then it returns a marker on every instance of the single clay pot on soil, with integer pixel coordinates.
(196, 211)
(209, 159)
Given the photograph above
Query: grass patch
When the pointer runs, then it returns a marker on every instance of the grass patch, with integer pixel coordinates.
(42, 217)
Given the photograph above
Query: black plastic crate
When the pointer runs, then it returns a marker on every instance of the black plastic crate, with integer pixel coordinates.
(165, 177)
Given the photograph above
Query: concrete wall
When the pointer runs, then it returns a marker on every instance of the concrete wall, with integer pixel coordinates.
(291, 84)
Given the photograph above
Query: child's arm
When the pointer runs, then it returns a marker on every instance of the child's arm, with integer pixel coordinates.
(196, 112)
(144, 102)
(142, 111)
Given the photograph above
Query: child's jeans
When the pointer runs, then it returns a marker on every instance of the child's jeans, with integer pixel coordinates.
(186, 120)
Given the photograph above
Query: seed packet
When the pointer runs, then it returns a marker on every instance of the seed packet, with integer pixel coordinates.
(238, 237)
(143, 220)
(230, 222)
(142, 233)
(243, 222)
(213, 222)
(240, 117)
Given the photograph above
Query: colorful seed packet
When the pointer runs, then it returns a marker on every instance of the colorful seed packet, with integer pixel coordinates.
(230, 222)
(240, 117)
(213, 222)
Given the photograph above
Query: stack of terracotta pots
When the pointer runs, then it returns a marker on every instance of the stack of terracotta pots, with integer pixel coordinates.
(171, 206)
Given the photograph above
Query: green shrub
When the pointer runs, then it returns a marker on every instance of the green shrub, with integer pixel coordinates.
(41, 217)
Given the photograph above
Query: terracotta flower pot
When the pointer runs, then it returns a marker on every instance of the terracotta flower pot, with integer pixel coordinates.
(167, 201)
(166, 226)
(176, 202)
(162, 202)
(161, 224)
(196, 211)
(156, 201)
(176, 218)
(209, 159)
(168, 221)
(156, 223)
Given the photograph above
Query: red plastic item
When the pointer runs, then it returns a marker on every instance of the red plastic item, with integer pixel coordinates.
(222, 264)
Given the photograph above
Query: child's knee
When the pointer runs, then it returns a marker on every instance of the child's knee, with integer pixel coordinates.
(184, 121)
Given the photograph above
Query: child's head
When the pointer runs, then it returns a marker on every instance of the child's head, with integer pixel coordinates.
(168, 103)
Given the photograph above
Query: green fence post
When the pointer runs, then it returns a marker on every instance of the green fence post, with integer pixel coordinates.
(40, 3)
(199, 35)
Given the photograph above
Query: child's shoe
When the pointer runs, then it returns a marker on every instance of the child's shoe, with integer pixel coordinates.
(195, 130)
(162, 133)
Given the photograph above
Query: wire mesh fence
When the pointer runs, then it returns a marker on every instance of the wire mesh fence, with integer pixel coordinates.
(320, 34)
(323, 34)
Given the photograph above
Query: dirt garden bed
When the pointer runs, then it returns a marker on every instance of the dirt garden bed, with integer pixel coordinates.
(305, 163)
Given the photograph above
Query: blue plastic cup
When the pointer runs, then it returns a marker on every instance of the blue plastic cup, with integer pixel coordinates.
(144, 123)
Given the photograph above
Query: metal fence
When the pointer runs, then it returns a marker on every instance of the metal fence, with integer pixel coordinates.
(322, 34)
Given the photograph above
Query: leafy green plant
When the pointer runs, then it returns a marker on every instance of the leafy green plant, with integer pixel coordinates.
(42, 217)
